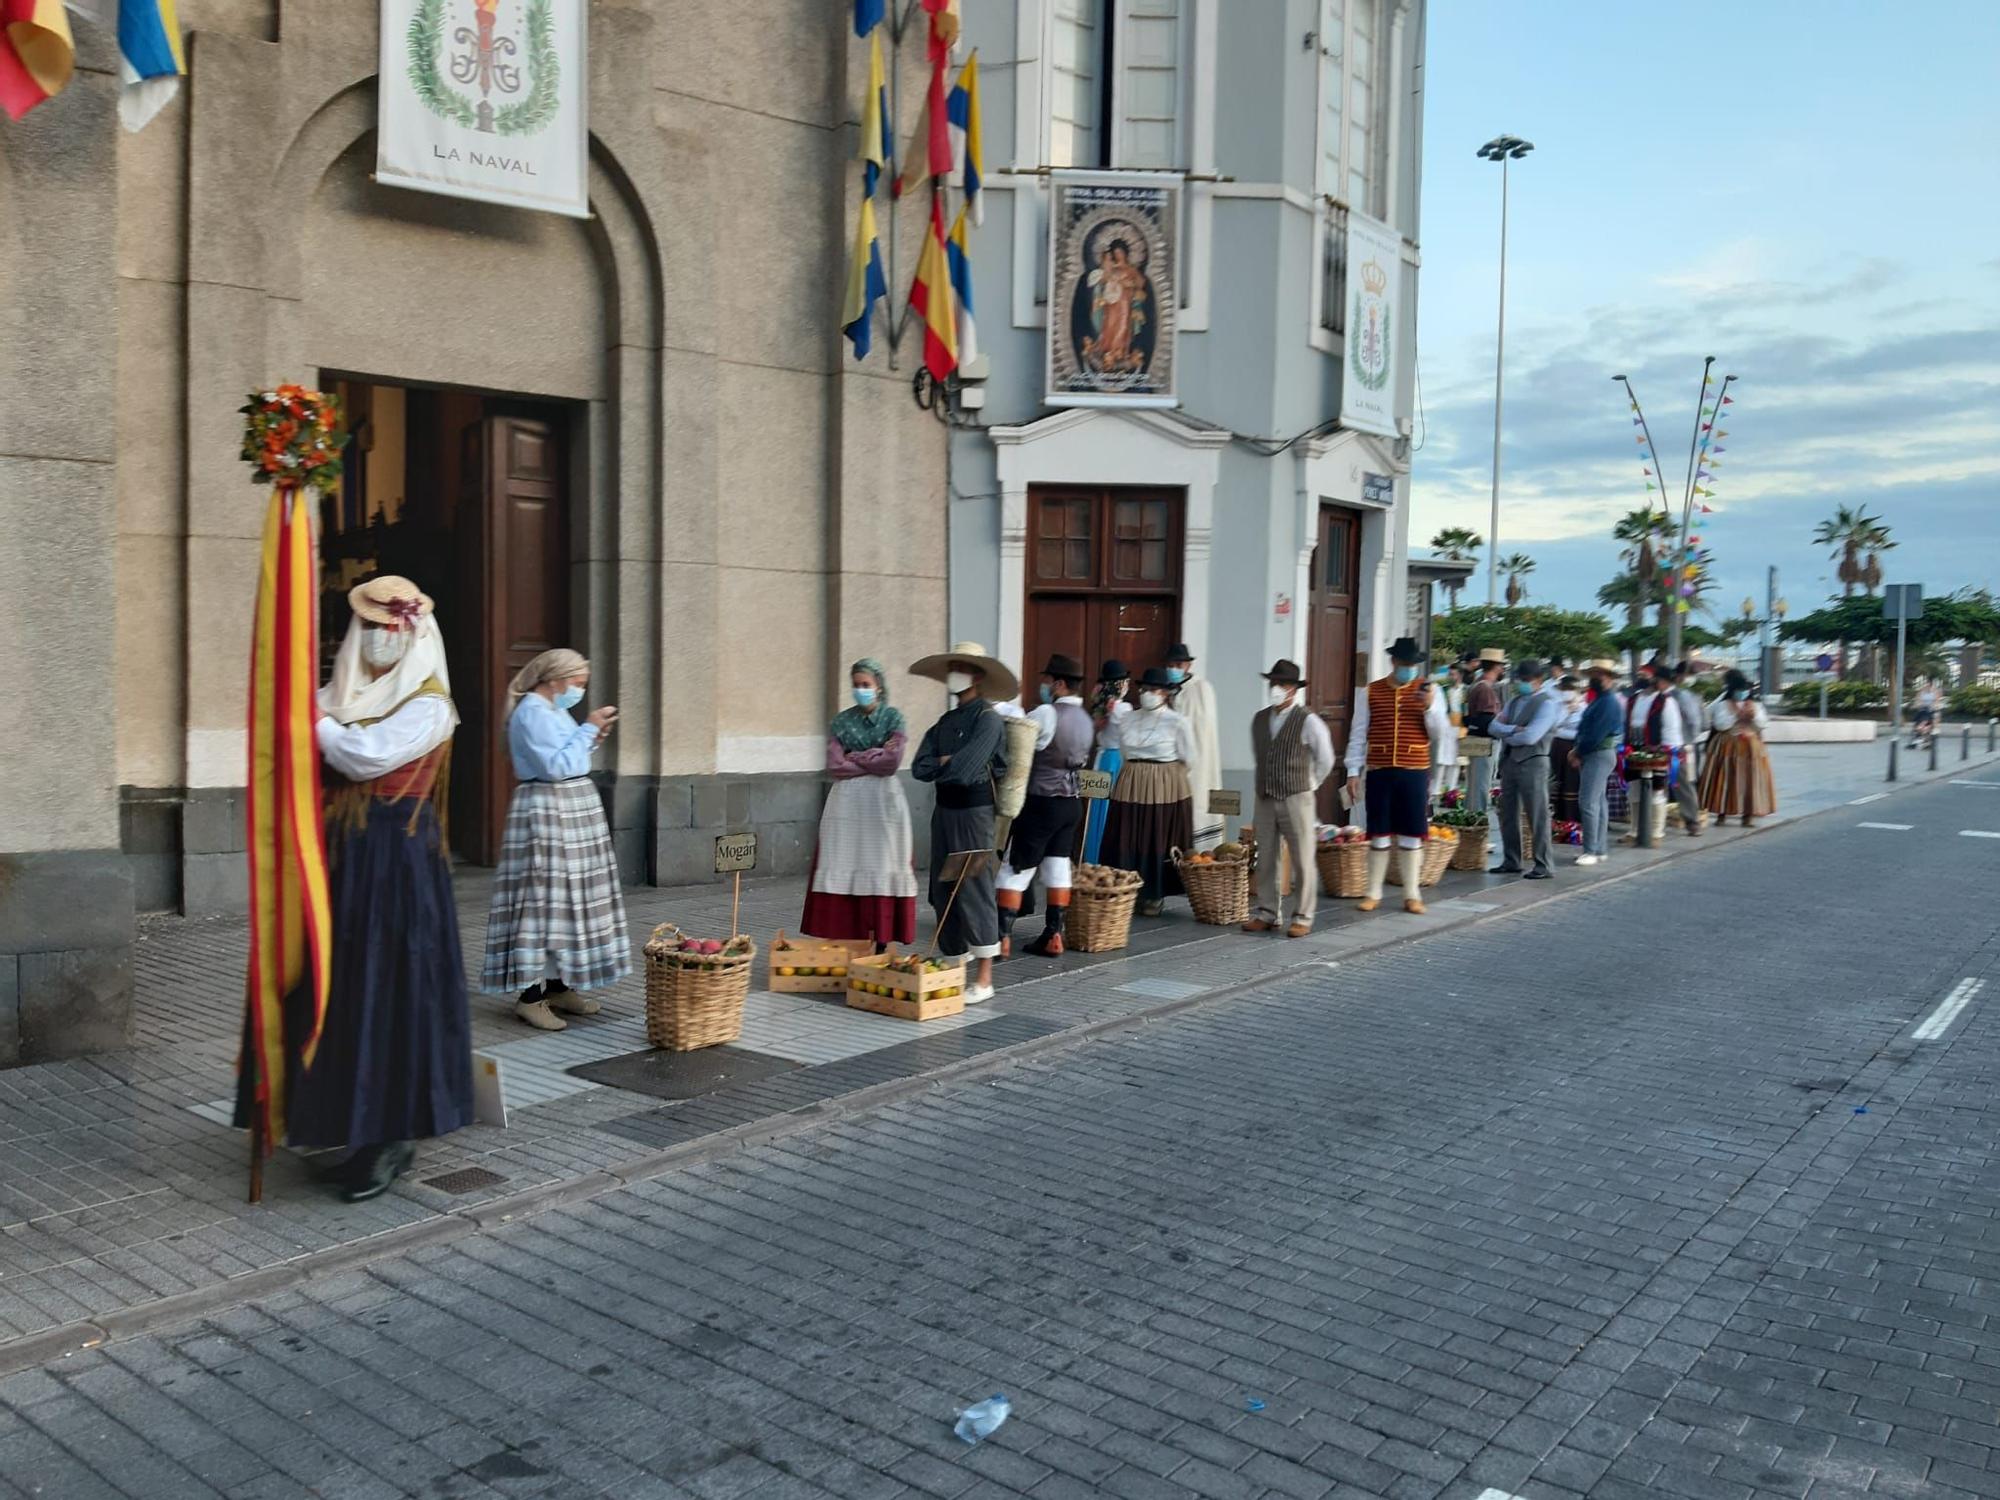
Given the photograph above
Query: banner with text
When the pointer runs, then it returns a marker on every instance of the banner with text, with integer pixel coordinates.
(486, 99)
(1374, 295)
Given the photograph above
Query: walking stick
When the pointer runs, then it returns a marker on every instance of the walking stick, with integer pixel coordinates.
(256, 1127)
(735, 907)
(964, 869)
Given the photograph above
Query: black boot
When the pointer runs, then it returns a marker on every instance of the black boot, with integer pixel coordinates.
(1050, 943)
(374, 1169)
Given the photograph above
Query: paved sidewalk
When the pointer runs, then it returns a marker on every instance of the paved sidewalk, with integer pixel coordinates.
(121, 1193)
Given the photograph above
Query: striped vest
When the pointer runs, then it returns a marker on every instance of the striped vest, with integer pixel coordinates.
(1397, 737)
(1284, 767)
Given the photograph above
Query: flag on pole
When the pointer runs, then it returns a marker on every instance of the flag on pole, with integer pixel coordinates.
(962, 112)
(867, 283)
(959, 258)
(37, 53)
(945, 27)
(878, 148)
(931, 298)
(1708, 510)
(151, 61)
(868, 15)
(1728, 400)
(929, 154)
(291, 918)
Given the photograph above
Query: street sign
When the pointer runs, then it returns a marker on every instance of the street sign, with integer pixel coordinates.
(1376, 489)
(1095, 786)
(735, 853)
(1902, 601)
(1225, 804)
(1823, 662)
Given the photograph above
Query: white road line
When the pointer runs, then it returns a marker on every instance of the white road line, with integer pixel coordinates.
(1894, 827)
(1934, 1024)
(1871, 797)
(1991, 786)
(1492, 1494)
(1978, 833)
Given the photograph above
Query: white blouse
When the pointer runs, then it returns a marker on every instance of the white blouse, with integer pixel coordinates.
(1154, 734)
(1722, 715)
(362, 754)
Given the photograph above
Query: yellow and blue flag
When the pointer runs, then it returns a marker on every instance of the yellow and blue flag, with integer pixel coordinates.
(868, 15)
(962, 110)
(878, 148)
(152, 61)
(958, 256)
(867, 284)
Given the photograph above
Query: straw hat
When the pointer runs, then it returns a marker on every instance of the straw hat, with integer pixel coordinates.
(1000, 683)
(1493, 654)
(389, 600)
(1602, 664)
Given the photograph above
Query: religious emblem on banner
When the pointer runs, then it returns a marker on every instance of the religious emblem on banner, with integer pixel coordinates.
(484, 60)
(1374, 296)
(1113, 290)
(1369, 352)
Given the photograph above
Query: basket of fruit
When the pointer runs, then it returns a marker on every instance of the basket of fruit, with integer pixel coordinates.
(1217, 884)
(1468, 851)
(1437, 856)
(1343, 861)
(1647, 763)
(1100, 908)
(695, 988)
(813, 966)
(907, 986)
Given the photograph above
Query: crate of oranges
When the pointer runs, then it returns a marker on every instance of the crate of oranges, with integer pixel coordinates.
(907, 986)
(813, 966)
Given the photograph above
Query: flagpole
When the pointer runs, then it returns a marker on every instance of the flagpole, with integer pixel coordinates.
(1659, 472)
(1680, 548)
(893, 126)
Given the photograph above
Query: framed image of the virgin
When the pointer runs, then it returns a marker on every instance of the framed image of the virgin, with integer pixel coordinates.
(1114, 288)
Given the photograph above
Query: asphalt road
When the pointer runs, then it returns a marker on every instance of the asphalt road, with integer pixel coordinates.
(1651, 1191)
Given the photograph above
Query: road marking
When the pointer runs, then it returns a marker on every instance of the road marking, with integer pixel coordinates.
(1977, 833)
(1894, 827)
(1871, 797)
(1934, 1024)
(1492, 1494)
(1991, 786)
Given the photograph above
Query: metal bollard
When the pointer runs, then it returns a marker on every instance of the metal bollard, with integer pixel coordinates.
(1991, 726)
(1642, 814)
(1892, 757)
(1965, 744)
(1933, 749)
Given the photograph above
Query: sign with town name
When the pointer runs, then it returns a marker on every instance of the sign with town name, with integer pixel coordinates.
(735, 853)
(1095, 786)
(1374, 292)
(1225, 804)
(1114, 288)
(486, 99)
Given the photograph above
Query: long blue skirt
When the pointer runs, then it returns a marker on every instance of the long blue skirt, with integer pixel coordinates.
(1093, 836)
(395, 1056)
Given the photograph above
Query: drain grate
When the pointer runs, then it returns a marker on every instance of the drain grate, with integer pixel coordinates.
(464, 1180)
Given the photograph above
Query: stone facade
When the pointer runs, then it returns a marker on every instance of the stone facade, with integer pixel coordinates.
(753, 510)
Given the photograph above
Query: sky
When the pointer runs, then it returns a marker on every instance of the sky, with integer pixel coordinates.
(1809, 192)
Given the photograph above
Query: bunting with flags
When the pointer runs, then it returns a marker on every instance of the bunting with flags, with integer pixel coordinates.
(959, 258)
(962, 115)
(931, 298)
(37, 54)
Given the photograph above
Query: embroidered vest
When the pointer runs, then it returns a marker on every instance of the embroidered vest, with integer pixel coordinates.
(1284, 766)
(425, 780)
(1397, 736)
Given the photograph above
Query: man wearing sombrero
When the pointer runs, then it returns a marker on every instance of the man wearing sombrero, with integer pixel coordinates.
(962, 755)
(1400, 725)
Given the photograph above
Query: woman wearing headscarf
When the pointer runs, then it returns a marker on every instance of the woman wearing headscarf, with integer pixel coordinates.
(557, 924)
(394, 1059)
(864, 884)
(1736, 775)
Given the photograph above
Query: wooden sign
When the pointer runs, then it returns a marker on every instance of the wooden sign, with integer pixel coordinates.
(1225, 804)
(735, 853)
(1093, 785)
(967, 863)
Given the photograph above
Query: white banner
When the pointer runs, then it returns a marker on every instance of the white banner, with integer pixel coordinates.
(1374, 292)
(1114, 288)
(486, 99)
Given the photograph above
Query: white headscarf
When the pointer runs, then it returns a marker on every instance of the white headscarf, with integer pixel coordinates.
(354, 695)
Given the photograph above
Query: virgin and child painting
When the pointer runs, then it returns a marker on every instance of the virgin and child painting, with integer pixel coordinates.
(1112, 298)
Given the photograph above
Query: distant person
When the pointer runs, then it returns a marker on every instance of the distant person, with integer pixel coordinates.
(864, 884)
(1736, 782)
(1523, 733)
(1152, 806)
(1653, 722)
(1108, 705)
(1400, 725)
(1562, 771)
(1482, 703)
(1599, 729)
(1925, 711)
(1194, 700)
(1293, 753)
(1043, 838)
(1694, 714)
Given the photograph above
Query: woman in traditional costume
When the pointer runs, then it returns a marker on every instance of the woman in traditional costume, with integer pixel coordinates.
(394, 1061)
(1114, 681)
(557, 922)
(1736, 776)
(864, 882)
(1152, 804)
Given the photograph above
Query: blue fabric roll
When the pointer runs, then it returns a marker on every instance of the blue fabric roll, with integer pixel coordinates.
(1093, 838)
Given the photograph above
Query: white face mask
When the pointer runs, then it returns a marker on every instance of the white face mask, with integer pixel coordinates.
(1280, 696)
(384, 648)
(1152, 700)
(957, 682)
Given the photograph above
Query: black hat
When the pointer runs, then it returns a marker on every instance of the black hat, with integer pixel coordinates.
(1114, 671)
(1178, 651)
(1156, 677)
(1528, 670)
(1285, 673)
(1068, 668)
(1406, 650)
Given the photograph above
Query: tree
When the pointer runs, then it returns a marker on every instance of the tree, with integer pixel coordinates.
(1516, 566)
(1460, 544)
(1857, 540)
(1536, 630)
(1969, 616)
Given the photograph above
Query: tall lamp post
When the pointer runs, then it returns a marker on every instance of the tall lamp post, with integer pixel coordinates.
(1503, 149)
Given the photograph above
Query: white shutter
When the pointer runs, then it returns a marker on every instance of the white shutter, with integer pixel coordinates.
(1361, 92)
(1332, 93)
(1076, 81)
(1149, 55)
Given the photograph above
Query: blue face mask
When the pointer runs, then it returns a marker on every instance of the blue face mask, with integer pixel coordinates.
(1522, 689)
(1176, 674)
(569, 697)
(864, 697)
(1740, 694)
(1048, 693)
(1406, 674)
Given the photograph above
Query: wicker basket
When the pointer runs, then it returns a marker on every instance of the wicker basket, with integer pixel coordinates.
(1219, 891)
(695, 1000)
(1437, 857)
(1100, 920)
(1469, 853)
(1343, 869)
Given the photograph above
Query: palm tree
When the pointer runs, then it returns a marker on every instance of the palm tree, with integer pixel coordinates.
(1645, 534)
(1514, 567)
(1857, 540)
(1460, 544)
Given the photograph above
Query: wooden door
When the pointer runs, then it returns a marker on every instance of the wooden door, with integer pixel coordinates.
(1330, 637)
(1103, 578)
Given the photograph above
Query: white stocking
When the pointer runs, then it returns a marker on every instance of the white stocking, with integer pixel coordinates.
(1410, 863)
(1378, 872)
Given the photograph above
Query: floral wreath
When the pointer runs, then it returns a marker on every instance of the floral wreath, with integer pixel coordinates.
(293, 436)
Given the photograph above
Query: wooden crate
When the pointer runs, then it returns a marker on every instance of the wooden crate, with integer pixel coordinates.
(872, 985)
(828, 959)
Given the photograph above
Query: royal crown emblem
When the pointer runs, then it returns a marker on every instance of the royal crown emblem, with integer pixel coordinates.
(1368, 329)
(1374, 279)
(488, 60)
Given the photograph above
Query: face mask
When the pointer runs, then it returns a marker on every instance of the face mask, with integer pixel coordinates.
(1177, 674)
(864, 696)
(1740, 694)
(569, 697)
(1152, 700)
(957, 682)
(1048, 693)
(1406, 674)
(384, 648)
(1280, 696)
(1522, 689)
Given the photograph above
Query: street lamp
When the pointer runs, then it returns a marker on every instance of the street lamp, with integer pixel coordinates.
(1503, 149)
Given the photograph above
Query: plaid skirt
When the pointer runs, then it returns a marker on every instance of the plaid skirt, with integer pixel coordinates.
(556, 901)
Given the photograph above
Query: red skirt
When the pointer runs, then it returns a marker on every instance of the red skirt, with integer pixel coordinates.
(881, 919)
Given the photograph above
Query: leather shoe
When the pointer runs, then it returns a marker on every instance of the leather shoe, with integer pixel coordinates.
(1258, 924)
(1538, 875)
(570, 1003)
(1368, 903)
(1298, 930)
(375, 1170)
(1505, 870)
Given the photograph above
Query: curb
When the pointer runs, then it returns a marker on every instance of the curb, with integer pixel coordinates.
(50, 1345)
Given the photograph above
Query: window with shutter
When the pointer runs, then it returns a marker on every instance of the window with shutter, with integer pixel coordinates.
(1148, 57)
(1079, 44)
(1115, 83)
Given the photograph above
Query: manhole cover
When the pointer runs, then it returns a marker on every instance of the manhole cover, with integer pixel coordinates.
(464, 1180)
(683, 1075)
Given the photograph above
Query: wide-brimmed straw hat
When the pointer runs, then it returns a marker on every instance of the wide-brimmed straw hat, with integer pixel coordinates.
(999, 683)
(1602, 664)
(1493, 654)
(389, 600)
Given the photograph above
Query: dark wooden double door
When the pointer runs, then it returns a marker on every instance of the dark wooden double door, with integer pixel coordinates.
(1103, 578)
(1332, 610)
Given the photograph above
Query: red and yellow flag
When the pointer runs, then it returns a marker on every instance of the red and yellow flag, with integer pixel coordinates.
(931, 299)
(290, 916)
(37, 55)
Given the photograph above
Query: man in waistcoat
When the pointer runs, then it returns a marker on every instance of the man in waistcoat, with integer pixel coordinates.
(1523, 733)
(1401, 725)
(1294, 754)
(1044, 835)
